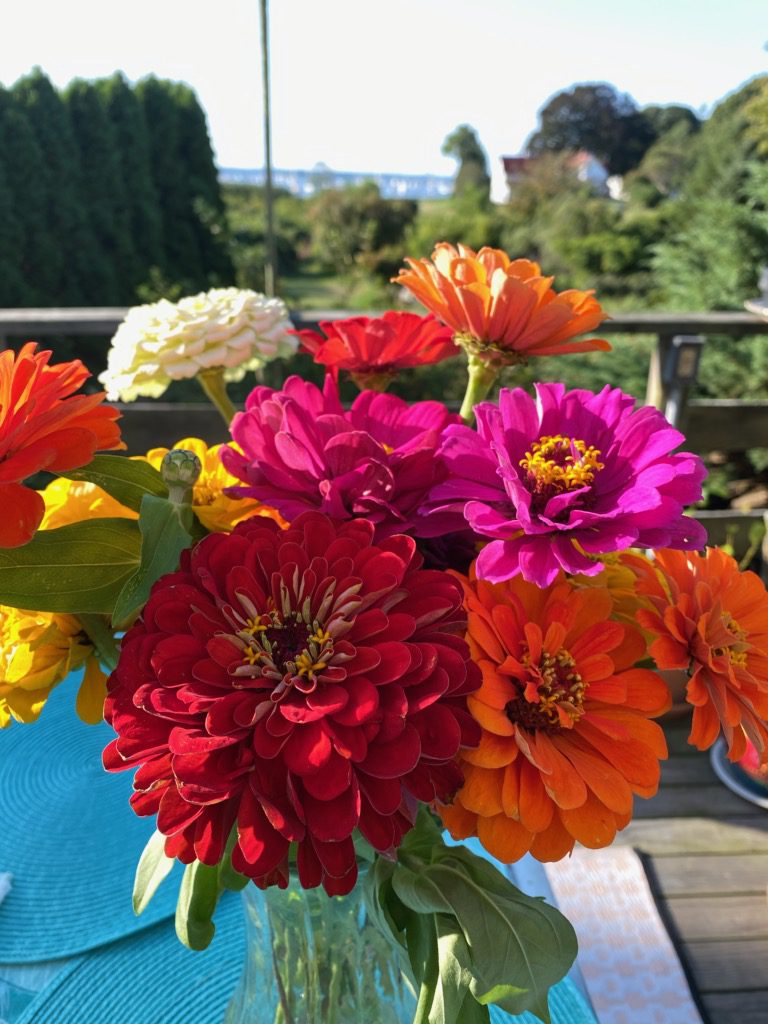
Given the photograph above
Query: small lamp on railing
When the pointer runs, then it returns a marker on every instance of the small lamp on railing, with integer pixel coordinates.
(679, 372)
(760, 304)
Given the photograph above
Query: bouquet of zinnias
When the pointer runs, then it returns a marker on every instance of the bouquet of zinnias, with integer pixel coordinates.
(352, 628)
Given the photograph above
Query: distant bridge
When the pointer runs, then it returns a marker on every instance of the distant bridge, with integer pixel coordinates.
(307, 183)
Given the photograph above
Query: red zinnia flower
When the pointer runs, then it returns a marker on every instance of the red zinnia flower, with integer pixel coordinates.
(297, 685)
(43, 425)
(373, 350)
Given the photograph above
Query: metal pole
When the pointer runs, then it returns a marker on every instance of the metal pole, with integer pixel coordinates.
(270, 256)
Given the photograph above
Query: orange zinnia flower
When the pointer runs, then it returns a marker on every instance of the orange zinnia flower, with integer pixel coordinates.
(711, 619)
(501, 309)
(566, 738)
(43, 425)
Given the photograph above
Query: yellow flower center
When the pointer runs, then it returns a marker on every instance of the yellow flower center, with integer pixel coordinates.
(287, 647)
(736, 652)
(552, 697)
(558, 463)
(203, 494)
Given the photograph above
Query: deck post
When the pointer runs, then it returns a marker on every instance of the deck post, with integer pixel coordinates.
(655, 392)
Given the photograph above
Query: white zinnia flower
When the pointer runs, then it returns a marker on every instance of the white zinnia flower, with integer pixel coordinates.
(234, 328)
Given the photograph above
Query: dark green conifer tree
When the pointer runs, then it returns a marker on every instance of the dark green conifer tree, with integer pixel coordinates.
(126, 116)
(27, 184)
(104, 189)
(84, 279)
(14, 290)
(182, 260)
(194, 223)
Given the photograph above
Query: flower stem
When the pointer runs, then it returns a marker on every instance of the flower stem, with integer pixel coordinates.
(100, 634)
(212, 383)
(482, 377)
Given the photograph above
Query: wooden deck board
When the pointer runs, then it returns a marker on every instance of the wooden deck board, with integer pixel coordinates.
(737, 1007)
(706, 853)
(703, 874)
(738, 965)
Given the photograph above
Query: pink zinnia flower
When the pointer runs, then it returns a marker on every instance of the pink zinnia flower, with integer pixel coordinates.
(298, 684)
(301, 450)
(567, 475)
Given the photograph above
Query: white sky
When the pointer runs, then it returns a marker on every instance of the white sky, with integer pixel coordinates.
(376, 85)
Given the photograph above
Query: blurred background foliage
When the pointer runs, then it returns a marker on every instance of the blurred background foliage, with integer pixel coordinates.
(109, 195)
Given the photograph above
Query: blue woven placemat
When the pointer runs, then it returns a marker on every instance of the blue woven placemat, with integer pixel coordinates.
(68, 838)
(152, 979)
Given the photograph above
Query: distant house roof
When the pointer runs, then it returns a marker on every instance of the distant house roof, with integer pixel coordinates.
(586, 167)
(517, 164)
(521, 164)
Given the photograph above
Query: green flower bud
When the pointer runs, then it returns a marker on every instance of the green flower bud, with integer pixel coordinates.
(180, 469)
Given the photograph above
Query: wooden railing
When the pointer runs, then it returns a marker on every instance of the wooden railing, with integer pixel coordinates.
(726, 425)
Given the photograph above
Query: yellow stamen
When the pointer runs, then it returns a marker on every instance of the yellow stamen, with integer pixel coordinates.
(307, 666)
(561, 463)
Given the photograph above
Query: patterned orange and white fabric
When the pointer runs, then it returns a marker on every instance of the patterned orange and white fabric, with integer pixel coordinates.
(627, 959)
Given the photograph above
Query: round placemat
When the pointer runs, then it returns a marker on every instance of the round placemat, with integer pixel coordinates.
(149, 978)
(69, 839)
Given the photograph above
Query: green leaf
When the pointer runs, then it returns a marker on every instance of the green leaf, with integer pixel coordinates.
(492, 943)
(198, 896)
(164, 535)
(519, 945)
(152, 868)
(422, 952)
(126, 480)
(77, 568)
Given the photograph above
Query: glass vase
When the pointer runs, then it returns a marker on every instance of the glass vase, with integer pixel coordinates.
(317, 959)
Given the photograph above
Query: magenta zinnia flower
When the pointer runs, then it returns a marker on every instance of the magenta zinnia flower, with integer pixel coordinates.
(297, 684)
(565, 476)
(302, 450)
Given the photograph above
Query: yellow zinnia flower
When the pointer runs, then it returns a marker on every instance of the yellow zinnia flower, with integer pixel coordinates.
(37, 651)
(71, 501)
(213, 508)
(620, 577)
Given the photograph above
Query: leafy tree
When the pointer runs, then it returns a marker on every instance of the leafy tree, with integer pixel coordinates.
(104, 189)
(728, 140)
(663, 119)
(356, 228)
(597, 118)
(126, 116)
(463, 218)
(28, 185)
(718, 238)
(756, 116)
(246, 214)
(665, 166)
(472, 175)
(714, 259)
